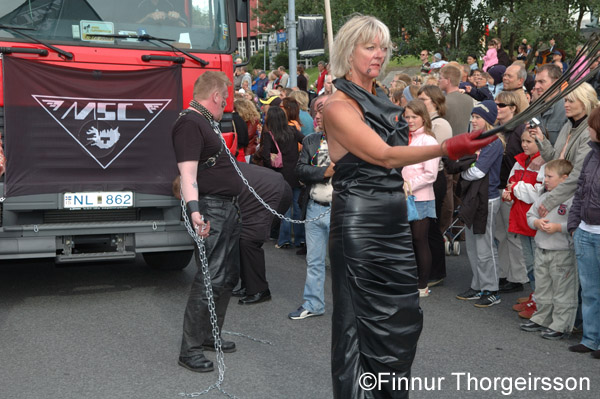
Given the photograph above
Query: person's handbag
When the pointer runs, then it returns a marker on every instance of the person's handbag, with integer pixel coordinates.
(276, 159)
(411, 207)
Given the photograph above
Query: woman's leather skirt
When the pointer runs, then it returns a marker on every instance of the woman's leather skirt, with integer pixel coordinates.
(376, 315)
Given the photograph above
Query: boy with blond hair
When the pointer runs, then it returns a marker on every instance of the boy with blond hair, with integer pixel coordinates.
(555, 268)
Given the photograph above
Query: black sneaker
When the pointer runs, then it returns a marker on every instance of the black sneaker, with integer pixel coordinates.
(469, 295)
(531, 326)
(488, 299)
(553, 335)
(510, 287)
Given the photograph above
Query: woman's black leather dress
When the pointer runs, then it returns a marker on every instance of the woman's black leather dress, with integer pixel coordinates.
(376, 316)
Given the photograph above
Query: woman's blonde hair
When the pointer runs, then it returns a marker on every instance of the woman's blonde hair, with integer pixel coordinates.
(247, 110)
(510, 98)
(360, 29)
(587, 95)
(432, 80)
(301, 97)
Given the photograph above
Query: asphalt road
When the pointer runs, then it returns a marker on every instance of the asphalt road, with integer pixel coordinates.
(113, 331)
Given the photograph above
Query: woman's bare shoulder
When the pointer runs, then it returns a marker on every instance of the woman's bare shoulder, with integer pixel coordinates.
(339, 103)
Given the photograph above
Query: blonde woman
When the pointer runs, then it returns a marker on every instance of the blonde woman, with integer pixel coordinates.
(376, 319)
(571, 143)
(306, 121)
(247, 110)
(271, 83)
(513, 265)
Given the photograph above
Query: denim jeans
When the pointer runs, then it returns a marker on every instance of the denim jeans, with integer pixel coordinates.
(587, 250)
(285, 229)
(317, 238)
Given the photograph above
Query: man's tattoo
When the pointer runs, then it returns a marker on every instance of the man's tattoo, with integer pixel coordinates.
(195, 185)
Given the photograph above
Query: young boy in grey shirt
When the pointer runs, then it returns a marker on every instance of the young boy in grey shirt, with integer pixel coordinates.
(554, 268)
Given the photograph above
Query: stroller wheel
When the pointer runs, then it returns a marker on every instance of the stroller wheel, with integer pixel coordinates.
(456, 248)
(448, 247)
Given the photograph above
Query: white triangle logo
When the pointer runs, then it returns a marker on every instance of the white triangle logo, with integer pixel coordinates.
(103, 127)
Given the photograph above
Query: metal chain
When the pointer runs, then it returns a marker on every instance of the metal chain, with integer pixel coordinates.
(245, 181)
(237, 334)
(211, 307)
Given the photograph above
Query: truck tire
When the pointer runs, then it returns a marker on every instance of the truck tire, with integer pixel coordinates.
(174, 260)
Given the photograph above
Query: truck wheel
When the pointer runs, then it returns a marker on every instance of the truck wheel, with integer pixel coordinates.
(174, 260)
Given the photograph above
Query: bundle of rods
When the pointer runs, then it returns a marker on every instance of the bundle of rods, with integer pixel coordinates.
(578, 72)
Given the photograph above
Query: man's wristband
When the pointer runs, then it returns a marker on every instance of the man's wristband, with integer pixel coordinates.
(193, 206)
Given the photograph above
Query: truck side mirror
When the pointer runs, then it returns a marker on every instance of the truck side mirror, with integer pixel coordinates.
(241, 11)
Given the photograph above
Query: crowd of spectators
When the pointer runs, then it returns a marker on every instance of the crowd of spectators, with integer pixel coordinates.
(529, 201)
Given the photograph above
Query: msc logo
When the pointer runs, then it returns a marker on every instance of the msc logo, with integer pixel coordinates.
(104, 128)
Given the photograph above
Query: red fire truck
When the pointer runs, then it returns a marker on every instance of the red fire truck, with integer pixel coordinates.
(90, 90)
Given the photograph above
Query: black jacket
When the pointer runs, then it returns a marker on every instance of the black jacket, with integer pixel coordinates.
(474, 195)
(305, 172)
(481, 93)
(289, 152)
(586, 203)
(273, 189)
(513, 147)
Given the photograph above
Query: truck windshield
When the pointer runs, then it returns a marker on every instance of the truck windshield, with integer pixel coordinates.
(197, 25)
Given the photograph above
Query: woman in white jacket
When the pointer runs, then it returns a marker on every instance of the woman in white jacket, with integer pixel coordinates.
(419, 178)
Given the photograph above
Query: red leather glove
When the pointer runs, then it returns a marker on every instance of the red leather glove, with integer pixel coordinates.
(465, 144)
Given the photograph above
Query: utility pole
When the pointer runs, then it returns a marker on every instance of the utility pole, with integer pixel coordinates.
(292, 48)
(329, 26)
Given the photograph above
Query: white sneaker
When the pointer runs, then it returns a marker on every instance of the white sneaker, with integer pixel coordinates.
(424, 292)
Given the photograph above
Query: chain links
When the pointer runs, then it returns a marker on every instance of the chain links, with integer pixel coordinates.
(245, 181)
(211, 307)
(237, 334)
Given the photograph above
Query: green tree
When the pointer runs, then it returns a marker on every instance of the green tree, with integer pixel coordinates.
(539, 21)
(454, 26)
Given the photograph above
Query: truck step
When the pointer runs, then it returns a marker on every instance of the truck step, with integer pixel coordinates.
(94, 256)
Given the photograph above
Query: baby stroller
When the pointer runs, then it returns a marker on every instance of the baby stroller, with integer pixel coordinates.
(452, 234)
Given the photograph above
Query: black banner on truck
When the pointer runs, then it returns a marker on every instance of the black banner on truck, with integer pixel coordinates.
(74, 130)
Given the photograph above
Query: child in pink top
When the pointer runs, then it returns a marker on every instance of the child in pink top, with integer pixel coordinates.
(420, 178)
(491, 57)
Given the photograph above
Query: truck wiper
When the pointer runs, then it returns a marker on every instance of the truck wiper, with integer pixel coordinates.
(147, 37)
(18, 29)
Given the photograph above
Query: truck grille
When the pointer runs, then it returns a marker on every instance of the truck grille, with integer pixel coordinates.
(88, 216)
